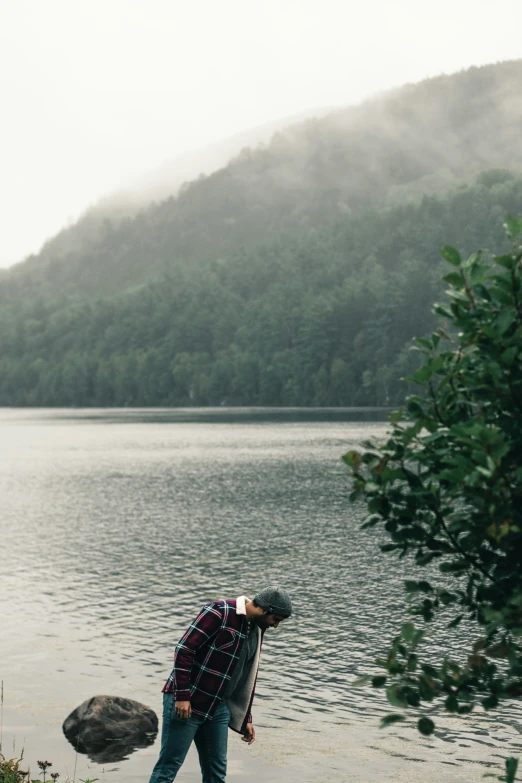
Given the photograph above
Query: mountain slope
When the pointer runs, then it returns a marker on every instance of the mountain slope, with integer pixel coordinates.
(422, 138)
(162, 183)
(323, 318)
(166, 180)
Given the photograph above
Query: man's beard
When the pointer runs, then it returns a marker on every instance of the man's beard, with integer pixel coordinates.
(262, 622)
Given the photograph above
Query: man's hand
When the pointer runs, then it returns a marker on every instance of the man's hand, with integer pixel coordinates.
(183, 709)
(249, 735)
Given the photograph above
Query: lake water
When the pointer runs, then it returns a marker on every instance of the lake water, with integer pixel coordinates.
(117, 526)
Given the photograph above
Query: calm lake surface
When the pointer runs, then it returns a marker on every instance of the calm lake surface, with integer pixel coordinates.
(117, 526)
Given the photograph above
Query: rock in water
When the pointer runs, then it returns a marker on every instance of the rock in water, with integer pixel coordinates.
(108, 728)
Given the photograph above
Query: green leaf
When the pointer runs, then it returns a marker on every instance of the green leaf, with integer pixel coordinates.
(389, 547)
(472, 262)
(379, 682)
(511, 769)
(427, 371)
(412, 586)
(456, 620)
(502, 322)
(364, 680)
(395, 696)
(509, 355)
(429, 670)
(389, 720)
(446, 598)
(454, 279)
(412, 697)
(428, 344)
(426, 726)
(452, 704)
(482, 291)
(407, 631)
(443, 309)
(454, 567)
(425, 558)
(490, 702)
(451, 255)
(414, 407)
(353, 459)
(370, 523)
(513, 226)
(508, 261)
(379, 505)
(396, 416)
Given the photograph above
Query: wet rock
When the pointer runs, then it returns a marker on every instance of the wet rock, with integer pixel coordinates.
(109, 728)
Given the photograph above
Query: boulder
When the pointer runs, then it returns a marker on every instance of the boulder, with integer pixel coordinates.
(109, 728)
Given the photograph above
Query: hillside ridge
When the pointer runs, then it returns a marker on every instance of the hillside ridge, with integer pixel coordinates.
(424, 138)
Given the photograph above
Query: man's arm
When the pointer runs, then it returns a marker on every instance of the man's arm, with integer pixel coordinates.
(207, 623)
(249, 733)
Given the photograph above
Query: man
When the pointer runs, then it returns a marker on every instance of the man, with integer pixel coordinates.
(211, 687)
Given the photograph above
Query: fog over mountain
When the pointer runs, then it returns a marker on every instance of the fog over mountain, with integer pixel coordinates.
(166, 180)
(295, 274)
(420, 139)
(95, 94)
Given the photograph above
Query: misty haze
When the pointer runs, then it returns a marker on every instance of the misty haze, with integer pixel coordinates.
(222, 238)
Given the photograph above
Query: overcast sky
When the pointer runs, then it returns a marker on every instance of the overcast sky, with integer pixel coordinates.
(96, 92)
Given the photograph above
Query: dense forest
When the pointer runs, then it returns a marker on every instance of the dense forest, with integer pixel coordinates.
(323, 317)
(295, 275)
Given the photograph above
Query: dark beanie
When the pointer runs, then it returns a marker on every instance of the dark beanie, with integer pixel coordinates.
(275, 600)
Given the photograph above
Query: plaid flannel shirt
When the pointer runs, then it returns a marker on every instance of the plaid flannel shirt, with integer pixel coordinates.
(206, 655)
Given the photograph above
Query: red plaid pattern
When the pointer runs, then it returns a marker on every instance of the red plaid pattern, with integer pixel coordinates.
(205, 657)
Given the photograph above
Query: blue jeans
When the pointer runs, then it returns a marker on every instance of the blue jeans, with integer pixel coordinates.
(210, 737)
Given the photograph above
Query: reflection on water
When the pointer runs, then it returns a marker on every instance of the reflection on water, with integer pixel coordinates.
(109, 751)
(110, 728)
(223, 415)
(117, 526)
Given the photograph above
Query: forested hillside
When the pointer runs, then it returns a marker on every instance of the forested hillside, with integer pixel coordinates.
(296, 275)
(319, 316)
(420, 139)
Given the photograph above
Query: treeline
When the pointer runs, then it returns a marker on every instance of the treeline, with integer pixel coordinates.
(319, 318)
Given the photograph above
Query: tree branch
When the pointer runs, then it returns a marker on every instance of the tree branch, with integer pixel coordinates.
(462, 551)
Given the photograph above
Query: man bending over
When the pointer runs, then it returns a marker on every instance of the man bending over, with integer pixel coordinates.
(211, 687)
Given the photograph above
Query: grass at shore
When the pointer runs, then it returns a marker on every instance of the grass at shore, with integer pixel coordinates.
(10, 769)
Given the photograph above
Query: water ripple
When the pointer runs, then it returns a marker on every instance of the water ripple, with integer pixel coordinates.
(116, 533)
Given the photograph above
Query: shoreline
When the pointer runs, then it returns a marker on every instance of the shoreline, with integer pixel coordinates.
(351, 751)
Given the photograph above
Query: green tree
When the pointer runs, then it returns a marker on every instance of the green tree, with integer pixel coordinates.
(267, 324)
(446, 485)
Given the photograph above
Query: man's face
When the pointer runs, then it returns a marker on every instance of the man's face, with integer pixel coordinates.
(265, 621)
